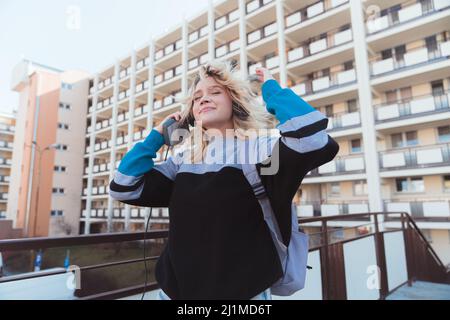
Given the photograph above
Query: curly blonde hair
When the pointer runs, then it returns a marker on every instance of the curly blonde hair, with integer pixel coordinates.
(248, 114)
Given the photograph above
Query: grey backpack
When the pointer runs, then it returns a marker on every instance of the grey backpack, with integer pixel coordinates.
(293, 257)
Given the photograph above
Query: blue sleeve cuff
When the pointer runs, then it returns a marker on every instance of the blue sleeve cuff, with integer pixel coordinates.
(269, 89)
(154, 140)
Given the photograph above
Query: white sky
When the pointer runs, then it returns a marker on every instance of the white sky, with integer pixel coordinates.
(46, 31)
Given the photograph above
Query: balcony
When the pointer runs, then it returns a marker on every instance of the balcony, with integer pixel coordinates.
(7, 145)
(411, 22)
(7, 128)
(317, 54)
(317, 208)
(417, 66)
(169, 56)
(402, 254)
(422, 211)
(344, 120)
(5, 162)
(429, 156)
(4, 179)
(341, 168)
(98, 169)
(333, 81)
(419, 109)
(3, 196)
(305, 22)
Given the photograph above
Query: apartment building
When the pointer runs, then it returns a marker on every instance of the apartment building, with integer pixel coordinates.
(47, 167)
(378, 69)
(7, 126)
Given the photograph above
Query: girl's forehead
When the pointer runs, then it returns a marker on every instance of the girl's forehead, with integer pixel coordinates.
(207, 83)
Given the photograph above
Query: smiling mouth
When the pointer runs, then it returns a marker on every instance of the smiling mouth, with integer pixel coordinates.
(207, 109)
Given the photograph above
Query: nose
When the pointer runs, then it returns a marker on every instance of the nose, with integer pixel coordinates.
(205, 98)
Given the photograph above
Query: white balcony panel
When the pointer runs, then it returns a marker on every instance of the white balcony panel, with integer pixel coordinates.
(299, 89)
(328, 167)
(134, 212)
(388, 112)
(168, 74)
(445, 48)
(234, 15)
(358, 208)
(382, 66)
(342, 37)
(335, 3)
(234, 45)
(399, 207)
(377, 24)
(193, 63)
(436, 209)
(293, 19)
(252, 6)
(440, 4)
(422, 105)
(346, 76)
(410, 12)
(252, 68)
(221, 51)
(193, 36)
(204, 58)
(415, 57)
(305, 210)
(273, 62)
(254, 36)
(318, 46)
(295, 54)
(314, 10)
(329, 209)
(270, 29)
(354, 164)
(394, 160)
(321, 83)
(429, 156)
(350, 119)
(204, 31)
(221, 22)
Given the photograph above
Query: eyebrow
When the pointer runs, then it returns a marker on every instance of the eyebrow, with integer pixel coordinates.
(214, 86)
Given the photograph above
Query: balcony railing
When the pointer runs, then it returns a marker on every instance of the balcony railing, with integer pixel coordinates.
(261, 33)
(98, 168)
(167, 50)
(309, 48)
(4, 161)
(226, 19)
(5, 179)
(413, 58)
(228, 47)
(256, 4)
(428, 210)
(110, 266)
(414, 107)
(406, 14)
(311, 11)
(318, 208)
(344, 120)
(6, 144)
(5, 127)
(334, 80)
(415, 157)
(349, 164)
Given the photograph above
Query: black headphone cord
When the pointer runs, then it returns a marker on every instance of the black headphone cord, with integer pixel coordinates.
(145, 234)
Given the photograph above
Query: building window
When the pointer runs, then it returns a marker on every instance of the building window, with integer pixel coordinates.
(329, 110)
(404, 139)
(360, 188)
(58, 190)
(356, 145)
(66, 86)
(410, 184)
(65, 106)
(61, 147)
(444, 134)
(335, 188)
(352, 106)
(63, 126)
(447, 183)
(56, 213)
(60, 169)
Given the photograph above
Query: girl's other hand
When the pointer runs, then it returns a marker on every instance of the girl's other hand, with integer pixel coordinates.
(263, 74)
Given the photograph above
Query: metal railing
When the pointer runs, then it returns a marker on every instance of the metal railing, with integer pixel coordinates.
(422, 261)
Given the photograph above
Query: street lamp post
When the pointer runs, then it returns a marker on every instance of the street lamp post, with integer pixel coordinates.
(41, 152)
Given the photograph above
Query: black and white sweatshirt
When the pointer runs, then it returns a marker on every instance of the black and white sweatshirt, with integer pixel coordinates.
(219, 246)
